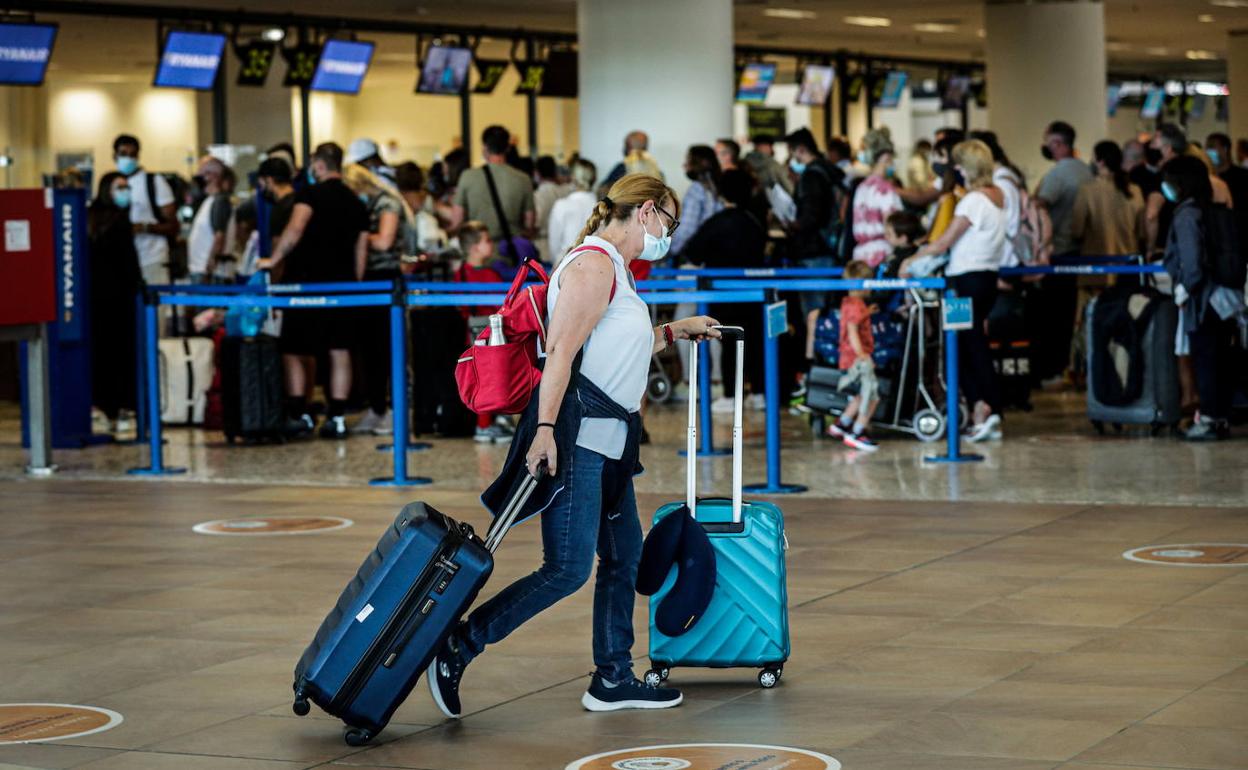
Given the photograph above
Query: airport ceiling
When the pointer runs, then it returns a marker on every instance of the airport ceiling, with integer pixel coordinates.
(1174, 38)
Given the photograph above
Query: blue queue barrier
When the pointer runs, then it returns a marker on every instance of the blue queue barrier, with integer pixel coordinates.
(398, 300)
(1084, 269)
(771, 358)
(953, 449)
(151, 370)
(748, 272)
(398, 397)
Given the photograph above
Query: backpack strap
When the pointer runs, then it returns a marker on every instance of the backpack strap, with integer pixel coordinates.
(149, 179)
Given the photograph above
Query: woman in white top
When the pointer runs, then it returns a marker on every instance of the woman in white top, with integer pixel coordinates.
(976, 244)
(569, 213)
(594, 308)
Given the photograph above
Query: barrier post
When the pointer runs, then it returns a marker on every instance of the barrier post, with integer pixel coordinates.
(398, 394)
(400, 289)
(707, 449)
(151, 367)
(140, 370)
(771, 372)
(953, 453)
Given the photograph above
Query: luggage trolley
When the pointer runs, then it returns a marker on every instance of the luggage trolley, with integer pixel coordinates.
(910, 363)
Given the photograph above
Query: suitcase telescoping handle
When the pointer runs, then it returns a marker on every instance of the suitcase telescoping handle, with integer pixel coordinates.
(502, 523)
(691, 449)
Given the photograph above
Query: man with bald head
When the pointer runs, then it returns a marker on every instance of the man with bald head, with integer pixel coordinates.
(637, 160)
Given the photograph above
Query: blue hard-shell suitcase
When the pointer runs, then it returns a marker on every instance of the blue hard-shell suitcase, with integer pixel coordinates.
(747, 621)
(395, 614)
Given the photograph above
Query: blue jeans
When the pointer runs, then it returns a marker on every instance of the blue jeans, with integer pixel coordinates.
(573, 529)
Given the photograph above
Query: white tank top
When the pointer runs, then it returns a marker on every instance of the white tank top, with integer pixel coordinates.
(617, 353)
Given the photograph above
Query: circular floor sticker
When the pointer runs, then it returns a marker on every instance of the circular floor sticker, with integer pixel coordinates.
(707, 756)
(1192, 554)
(273, 525)
(37, 722)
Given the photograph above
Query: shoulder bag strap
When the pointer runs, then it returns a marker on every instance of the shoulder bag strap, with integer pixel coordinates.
(149, 179)
(498, 212)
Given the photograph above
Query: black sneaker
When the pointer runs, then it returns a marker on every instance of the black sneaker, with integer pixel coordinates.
(444, 675)
(298, 427)
(334, 427)
(631, 694)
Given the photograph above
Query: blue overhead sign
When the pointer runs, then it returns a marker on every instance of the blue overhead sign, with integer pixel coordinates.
(190, 60)
(24, 52)
(342, 67)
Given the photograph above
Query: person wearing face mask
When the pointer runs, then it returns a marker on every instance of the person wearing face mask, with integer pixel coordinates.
(1218, 150)
(326, 240)
(152, 211)
(1168, 143)
(819, 196)
(875, 199)
(1056, 195)
(276, 186)
(702, 198)
(115, 281)
(207, 242)
(583, 425)
(1207, 309)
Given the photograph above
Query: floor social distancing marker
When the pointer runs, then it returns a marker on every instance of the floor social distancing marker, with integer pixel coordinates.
(1192, 554)
(273, 525)
(38, 722)
(707, 756)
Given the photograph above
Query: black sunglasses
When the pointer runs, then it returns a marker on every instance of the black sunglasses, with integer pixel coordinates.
(675, 222)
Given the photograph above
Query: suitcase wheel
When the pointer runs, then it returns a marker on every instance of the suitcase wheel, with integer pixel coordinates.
(657, 675)
(817, 425)
(1099, 426)
(301, 706)
(769, 677)
(357, 736)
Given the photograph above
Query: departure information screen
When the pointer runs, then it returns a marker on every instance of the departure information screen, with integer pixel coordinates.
(190, 60)
(24, 52)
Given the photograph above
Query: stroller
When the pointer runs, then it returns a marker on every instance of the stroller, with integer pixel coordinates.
(908, 362)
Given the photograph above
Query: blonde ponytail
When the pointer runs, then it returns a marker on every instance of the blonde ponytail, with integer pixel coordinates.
(623, 198)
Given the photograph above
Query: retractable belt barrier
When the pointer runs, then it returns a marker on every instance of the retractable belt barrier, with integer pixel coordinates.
(716, 286)
(397, 299)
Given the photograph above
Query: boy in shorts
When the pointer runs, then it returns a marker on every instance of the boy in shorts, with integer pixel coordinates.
(856, 346)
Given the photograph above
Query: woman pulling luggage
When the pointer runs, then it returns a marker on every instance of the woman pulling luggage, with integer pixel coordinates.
(582, 429)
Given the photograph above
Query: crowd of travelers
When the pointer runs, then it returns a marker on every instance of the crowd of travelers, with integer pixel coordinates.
(954, 205)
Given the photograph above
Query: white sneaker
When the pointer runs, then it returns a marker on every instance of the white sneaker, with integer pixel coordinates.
(758, 402)
(385, 423)
(723, 405)
(989, 429)
(366, 423)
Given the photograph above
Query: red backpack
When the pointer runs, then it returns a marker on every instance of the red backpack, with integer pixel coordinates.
(500, 379)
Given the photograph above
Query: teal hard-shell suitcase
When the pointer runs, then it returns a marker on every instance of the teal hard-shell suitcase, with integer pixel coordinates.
(747, 622)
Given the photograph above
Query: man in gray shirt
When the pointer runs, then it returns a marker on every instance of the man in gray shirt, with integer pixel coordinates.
(515, 191)
(1059, 187)
(1058, 296)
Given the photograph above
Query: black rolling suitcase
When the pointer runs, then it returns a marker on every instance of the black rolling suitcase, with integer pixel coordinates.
(396, 613)
(1133, 375)
(251, 388)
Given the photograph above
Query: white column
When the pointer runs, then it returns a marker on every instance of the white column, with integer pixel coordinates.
(658, 66)
(1045, 62)
(1237, 82)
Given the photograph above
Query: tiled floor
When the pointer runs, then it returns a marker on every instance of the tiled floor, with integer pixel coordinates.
(1049, 455)
(959, 635)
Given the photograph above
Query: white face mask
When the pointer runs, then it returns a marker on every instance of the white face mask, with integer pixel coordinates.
(654, 247)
